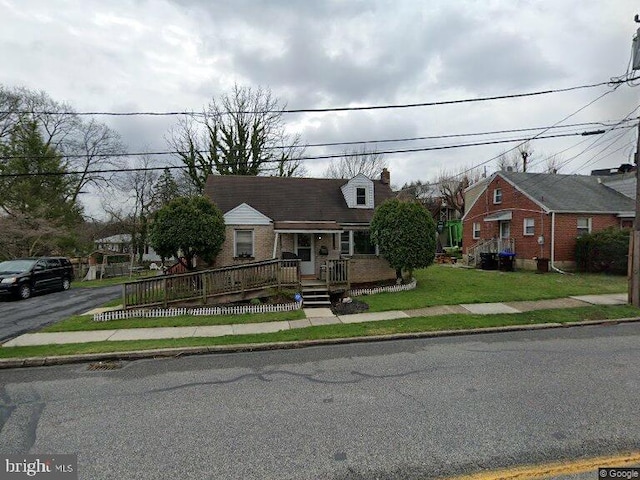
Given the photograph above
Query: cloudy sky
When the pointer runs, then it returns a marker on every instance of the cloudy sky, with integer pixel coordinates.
(168, 55)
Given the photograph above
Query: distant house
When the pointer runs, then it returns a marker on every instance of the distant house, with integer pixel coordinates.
(313, 219)
(121, 243)
(538, 215)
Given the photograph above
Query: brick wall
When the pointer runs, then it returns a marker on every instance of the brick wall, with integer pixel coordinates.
(369, 268)
(527, 246)
(263, 237)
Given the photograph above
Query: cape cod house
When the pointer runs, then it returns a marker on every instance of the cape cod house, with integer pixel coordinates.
(322, 222)
(539, 215)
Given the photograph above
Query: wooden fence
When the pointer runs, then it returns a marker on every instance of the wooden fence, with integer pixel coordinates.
(204, 285)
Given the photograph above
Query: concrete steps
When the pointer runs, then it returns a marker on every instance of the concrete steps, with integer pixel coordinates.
(315, 294)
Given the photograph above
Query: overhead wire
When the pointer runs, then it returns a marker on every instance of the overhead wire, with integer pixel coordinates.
(611, 82)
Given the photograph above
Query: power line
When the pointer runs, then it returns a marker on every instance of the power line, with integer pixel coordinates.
(347, 143)
(320, 157)
(614, 82)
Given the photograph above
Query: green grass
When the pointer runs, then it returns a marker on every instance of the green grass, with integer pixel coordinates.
(85, 322)
(443, 285)
(410, 325)
(106, 282)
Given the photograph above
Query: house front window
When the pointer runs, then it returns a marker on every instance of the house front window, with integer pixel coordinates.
(497, 195)
(362, 244)
(584, 225)
(345, 243)
(476, 231)
(243, 243)
(529, 226)
(361, 196)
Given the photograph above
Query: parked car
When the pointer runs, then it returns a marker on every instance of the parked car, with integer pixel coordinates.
(23, 276)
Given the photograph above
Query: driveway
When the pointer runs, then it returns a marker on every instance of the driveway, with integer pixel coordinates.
(18, 317)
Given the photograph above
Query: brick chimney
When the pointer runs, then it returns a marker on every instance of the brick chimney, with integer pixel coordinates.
(385, 176)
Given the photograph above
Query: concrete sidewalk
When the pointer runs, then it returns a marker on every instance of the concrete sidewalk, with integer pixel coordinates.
(314, 317)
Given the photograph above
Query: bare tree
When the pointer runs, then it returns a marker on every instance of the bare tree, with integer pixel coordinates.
(85, 145)
(368, 162)
(553, 164)
(138, 189)
(452, 185)
(22, 235)
(517, 160)
(240, 133)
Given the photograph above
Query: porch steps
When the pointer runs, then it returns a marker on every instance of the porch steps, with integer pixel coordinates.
(315, 295)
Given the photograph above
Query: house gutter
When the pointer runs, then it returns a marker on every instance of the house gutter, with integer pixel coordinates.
(553, 243)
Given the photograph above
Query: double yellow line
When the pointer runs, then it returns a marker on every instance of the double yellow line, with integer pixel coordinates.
(555, 469)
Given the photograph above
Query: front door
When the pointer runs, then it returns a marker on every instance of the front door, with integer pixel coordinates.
(304, 250)
(505, 234)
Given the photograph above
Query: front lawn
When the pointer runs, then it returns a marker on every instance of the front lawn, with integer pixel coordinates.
(444, 285)
(85, 322)
(408, 325)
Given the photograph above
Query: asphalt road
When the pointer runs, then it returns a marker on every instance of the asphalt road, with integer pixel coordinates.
(21, 316)
(389, 410)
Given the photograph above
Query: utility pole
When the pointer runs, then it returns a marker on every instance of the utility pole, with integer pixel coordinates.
(525, 155)
(634, 244)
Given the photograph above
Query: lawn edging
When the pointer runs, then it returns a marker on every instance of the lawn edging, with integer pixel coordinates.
(358, 292)
(198, 311)
(257, 347)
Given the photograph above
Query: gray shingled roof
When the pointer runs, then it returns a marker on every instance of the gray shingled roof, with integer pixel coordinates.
(570, 193)
(291, 198)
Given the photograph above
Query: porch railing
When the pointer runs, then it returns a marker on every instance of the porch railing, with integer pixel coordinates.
(170, 289)
(337, 272)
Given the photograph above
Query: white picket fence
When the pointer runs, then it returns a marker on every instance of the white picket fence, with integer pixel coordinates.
(390, 289)
(175, 312)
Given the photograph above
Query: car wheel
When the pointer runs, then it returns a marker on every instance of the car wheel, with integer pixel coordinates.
(66, 284)
(24, 291)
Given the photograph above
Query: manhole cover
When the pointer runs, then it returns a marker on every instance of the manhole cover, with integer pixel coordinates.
(105, 366)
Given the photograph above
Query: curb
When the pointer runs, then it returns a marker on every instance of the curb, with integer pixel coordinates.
(257, 347)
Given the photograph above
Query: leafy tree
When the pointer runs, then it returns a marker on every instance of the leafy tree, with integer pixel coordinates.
(239, 134)
(165, 189)
(405, 234)
(369, 163)
(84, 145)
(186, 228)
(37, 216)
(33, 182)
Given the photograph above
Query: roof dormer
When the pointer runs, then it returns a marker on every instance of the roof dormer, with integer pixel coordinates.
(358, 192)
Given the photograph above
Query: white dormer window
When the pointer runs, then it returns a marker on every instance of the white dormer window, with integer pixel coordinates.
(358, 192)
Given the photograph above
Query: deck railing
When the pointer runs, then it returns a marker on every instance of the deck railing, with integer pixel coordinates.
(170, 289)
(337, 272)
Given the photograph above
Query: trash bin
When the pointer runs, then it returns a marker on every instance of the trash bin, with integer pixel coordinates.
(542, 265)
(506, 261)
(488, 261)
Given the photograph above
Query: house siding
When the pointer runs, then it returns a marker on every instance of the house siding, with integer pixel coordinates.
(526, 246)
(263, 237)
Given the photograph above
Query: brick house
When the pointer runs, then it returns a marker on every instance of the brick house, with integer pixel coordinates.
(313, 219)
(539, 215)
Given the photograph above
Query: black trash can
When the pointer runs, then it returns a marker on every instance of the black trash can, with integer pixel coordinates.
(488, 261)
(542, 265)
(506, 261)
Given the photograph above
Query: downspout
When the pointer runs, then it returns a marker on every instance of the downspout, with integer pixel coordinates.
(553, 243)
(275, 245)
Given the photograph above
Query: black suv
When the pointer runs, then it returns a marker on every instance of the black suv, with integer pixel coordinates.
(23, 276)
